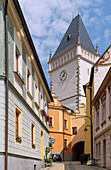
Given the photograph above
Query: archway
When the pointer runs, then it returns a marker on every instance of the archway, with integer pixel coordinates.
(77, 150)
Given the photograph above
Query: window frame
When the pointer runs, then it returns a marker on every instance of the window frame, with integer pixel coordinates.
(18, 125)
(33, 135)
(73, 130)
(52, 122)
(65, 142)
(65, 125)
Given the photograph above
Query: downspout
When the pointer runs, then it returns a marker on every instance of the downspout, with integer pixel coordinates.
(63, 135)
(91, 123)
(6, 85)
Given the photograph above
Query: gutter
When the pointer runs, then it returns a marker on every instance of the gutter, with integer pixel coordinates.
(6, 84)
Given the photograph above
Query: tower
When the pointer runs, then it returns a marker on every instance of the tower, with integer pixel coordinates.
(70, 66)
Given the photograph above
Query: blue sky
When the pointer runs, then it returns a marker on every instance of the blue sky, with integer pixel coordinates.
(48, 21)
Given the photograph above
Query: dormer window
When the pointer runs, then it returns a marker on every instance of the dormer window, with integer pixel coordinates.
(68, 37)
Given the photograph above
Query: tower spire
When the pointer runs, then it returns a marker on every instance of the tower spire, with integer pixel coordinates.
(78, 11)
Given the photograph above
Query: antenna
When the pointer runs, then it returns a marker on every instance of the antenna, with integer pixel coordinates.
(78, 11)
(75, 12)
(72, 16)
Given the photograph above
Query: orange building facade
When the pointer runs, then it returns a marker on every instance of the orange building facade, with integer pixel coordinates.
(67, 130)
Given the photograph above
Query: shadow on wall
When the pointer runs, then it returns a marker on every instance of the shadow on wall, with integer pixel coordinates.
(75, 147)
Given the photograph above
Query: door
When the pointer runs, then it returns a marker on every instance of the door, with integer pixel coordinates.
(104, 153)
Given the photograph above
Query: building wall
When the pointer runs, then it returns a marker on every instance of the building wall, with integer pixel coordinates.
(85, 69)
(79, 122)
(68, 86)
(103, 127)
(56, 111)
(2, 39)
(20, 155)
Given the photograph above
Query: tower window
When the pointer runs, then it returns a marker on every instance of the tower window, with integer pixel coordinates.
(64, 59)
(88, 71)
(68, 37)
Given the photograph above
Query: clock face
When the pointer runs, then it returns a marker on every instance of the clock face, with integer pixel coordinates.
(63, 75)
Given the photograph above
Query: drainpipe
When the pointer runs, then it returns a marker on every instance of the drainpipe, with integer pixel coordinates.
(63, 135)
(91, 124)
(6, 85)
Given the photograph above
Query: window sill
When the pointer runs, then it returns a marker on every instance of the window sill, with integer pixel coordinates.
(51, 126)
(37, 105)
(65, 128)
(97, 128)
(103, 123)
(19, 77)
(29, 94)
(74, 134)
(18, 139)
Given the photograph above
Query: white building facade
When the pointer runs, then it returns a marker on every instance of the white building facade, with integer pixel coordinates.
(28, 94)
(102, 136)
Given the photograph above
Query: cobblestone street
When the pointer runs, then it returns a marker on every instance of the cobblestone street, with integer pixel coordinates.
(72, 166)
(78, 166)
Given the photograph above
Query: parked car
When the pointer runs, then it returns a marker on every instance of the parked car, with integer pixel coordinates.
(56, 157)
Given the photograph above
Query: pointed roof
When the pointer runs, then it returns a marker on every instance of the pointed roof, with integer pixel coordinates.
(70, 38)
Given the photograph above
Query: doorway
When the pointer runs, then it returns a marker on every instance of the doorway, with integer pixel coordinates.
(78, 149)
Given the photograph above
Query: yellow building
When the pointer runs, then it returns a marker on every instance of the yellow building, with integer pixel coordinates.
(67, 130)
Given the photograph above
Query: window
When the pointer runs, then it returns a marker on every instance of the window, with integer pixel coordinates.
(64, 59)
(110, 145)
(74, 130)
(36, 94)
(71, 56)
(59, 63)
(28, 78)
(65, 124)
(96, 151)
(18, 123)
(109, 102)
(41, 98)
(103, 103)
(97, 119)
(50, 144)
(56, 63)
(53, 66)
(50, 122)
(18, 61)
(88, 71)
(65, 144)
(29, 81)
(33, 135)
(99, 150)
(68, 57)
(103, 112)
